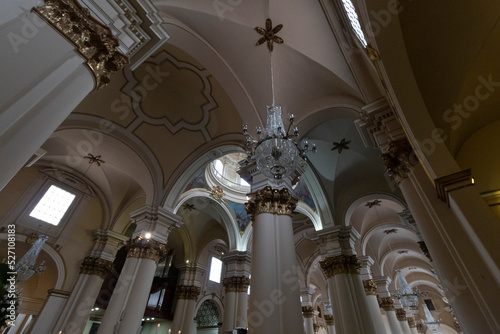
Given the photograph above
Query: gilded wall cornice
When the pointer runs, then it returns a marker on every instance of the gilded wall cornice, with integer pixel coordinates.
(269, 200)
(340, 264)
(94, 41)
(146, 249)
(96, 266)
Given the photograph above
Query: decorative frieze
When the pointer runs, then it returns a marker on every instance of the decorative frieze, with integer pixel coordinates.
(236, 284)
(96, 266)
(146, 249)
(269, 200)
(188, 292)
(340, 264)
(398, 159)
(387, 303)
(307, 311)
(401, 314)
(370, 287)
(328, 319)
(93, 41)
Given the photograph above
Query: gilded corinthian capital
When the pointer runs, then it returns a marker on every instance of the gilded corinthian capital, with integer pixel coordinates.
(307, 311)
(340, 264)
(328, 319)
(370, 287)
(94, 41)
(387, 303)
(398, 159)
(236, 283)
(146, 249)
(269, 200)
(188, 292)
(96, 266)
(401, 314)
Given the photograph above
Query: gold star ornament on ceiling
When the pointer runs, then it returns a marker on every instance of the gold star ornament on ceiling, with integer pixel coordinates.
(269, 35)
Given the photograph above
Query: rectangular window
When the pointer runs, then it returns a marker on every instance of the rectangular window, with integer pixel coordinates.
(215, 270)
(430, 304)
(53, 205)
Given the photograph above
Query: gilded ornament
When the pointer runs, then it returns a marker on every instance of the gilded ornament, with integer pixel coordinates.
(146, 249)
(93, 40)
(411, 322)
(96, 266)
(269, 35)
(307, 311)
(190, 292)
(370, 287)
(425, 250)
(217, 193)
(269, 200)
(236, 284)
(387, 303)
(399, 159)
(329, 319)
(401, 314)
(340, 264)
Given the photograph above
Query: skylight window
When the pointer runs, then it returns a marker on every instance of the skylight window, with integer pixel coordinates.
(53, 205)
(215, 270)
(353, 18)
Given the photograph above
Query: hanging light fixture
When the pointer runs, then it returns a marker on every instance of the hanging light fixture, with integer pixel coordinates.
(276, 150)
(432, 324)
(407, 296)
(26, 267)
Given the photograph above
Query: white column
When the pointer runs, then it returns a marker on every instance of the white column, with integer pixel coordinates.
(41, 85)
(412, 325)
(53, 306)
(242, 305)
(307, 309)
(387, 303)
(401, 316)
(92, 274)
(230, 311)
(128, 302)
(329, 323)
(185, 309)
(371, 294)
(275, 297)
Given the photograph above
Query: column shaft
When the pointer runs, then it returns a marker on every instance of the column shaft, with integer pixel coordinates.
(229, 321)
(242, 307)
(275, 298)
(309, 325)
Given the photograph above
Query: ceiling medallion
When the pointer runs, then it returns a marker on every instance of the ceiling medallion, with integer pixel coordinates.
(269, 35)
(94, 159)
(374, 203)
(341, 146)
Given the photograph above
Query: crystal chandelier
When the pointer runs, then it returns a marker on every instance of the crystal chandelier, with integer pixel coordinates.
(432, 324)
(26, 267)
(408, 297)
(276, 150)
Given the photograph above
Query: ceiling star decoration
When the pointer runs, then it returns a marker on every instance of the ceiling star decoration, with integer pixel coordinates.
(403, 252)
(94, 159)
(392, 230)
(374, 203)
(188, 207)
(341, 146)
(269, 35)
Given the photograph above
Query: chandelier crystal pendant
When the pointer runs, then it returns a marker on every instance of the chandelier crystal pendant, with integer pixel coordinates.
(26, 267)
(431, 324)
(276, 150)
(407, 296)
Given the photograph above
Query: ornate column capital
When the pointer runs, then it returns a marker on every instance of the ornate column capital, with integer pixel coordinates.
(307, 311)
(387, 303)
(190, 292)
(93, 40)
(411, 322)
(146, 249)
(370, 287)
(236, 283)
(270, 200)
(401, 314)
(96, 266)
(329, 319)
(340, 264)
(423, 248)
(398, 159)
